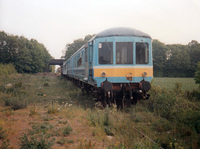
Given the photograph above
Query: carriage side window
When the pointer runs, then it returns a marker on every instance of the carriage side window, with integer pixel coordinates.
(105, 53)
(79, 62)
(142, 53)
(124, 53)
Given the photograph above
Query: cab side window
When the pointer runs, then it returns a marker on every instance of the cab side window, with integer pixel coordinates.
(105, 53)
(142, 53)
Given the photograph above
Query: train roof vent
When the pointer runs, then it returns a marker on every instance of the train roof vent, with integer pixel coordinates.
(122, 31)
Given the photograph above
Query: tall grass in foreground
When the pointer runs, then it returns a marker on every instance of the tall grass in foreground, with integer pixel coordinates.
(169, 119)
(179, 111)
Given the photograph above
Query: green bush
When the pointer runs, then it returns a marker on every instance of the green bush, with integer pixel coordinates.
(15, 102)
(7, 69)
(193, 95)
(178, 114)
(161, 102)
(46, 84)
(40, 128)
(38, 137)
(67, 130)
(35, 142)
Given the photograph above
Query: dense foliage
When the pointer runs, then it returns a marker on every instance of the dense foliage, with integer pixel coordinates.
(28, 56)
(7, 69)
(175, 60)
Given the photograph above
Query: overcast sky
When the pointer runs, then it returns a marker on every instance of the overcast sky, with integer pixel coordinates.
(58, 22)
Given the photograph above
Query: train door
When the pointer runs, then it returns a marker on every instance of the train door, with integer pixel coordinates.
(90, 59)
(86, 64)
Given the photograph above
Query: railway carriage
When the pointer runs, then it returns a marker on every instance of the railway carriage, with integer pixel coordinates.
(115, 66)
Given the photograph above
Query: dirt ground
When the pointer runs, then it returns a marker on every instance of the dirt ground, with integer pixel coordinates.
(17, 123)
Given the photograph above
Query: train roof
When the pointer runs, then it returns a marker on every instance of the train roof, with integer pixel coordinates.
(121, 31)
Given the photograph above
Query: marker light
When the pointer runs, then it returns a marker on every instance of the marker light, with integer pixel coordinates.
(144, 74)
(103, 74)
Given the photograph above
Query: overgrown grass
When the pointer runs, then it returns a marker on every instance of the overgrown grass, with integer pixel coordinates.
(174, 107)
(7, 69)
(169, 119)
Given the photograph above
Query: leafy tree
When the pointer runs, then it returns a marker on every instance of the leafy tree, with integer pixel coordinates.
(27, 56)
(175, 60)
(178, 63)
(159, 57)
(194, 53)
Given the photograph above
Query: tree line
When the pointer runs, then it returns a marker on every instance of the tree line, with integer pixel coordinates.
(169, 60)
(175, 60)
(28, 56)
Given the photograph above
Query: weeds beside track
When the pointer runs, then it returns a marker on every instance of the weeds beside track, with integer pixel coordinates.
(49, 111)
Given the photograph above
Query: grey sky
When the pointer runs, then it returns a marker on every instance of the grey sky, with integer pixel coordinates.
(58, 22)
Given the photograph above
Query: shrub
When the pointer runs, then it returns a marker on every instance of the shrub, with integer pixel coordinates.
(161, 104)
(61, 142)
(33, 111)
(40, 128)
(178, 87)
(7, 69)
(70, 141)
(67, 130)
(194, 94)
(53, 109)
(46, 84)
(38, 137)
(15, 102)
(35, 142)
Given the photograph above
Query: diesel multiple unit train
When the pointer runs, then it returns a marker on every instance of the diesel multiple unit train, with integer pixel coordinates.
(115, 66)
